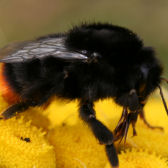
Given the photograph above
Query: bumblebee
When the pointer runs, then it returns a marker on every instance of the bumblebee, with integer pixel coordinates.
(88, 63)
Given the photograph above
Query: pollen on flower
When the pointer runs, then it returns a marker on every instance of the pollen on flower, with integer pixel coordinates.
(59, 113)
(75, 146)
(152, 140)
(71, 144)
(23, 145)
(156, 114)
(3, 105)
(140, 159)
(37, 118)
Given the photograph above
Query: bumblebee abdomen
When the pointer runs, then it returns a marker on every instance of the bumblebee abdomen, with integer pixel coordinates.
(6, 89)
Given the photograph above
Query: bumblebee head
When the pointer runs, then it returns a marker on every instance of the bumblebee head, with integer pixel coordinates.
(137, 81)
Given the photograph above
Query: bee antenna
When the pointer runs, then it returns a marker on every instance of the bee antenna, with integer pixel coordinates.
(163, 99)
(164, 79)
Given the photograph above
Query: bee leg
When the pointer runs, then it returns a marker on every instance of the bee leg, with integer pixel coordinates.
(123, 116)
(118, 129)
(100, 131)
(142, 116)
(133, 119)
(133, 122)
(22, 106)
(122, 130)
(12, 110)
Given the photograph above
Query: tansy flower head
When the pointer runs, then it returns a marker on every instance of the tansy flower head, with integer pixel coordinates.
(153, 140)
(58, 113)
(23, 145)
(156, 114)
(76, 147)
(140, 159)
(106, 111)
(37, 118)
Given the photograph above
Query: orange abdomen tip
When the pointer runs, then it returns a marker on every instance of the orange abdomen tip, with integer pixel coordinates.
(5, 89)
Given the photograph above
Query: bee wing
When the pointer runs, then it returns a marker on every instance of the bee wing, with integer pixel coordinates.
(49, 47)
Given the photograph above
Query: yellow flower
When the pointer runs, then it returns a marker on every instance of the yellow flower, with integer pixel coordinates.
(140, 159)
(152, 140)
(37, 118)
(70, 144)
(24, 146)
(76, 147)
(3, 104)
(156, 114)
(59, 112)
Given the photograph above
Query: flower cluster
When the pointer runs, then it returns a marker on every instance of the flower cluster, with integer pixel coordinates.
(57, 138)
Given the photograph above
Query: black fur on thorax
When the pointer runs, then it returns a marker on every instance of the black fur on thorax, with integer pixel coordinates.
(115, 43)
(116, 72)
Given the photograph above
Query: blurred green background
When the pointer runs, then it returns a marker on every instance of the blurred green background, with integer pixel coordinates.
(28, 19)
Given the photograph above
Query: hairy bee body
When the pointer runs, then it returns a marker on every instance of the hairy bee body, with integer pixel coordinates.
(88, 63)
